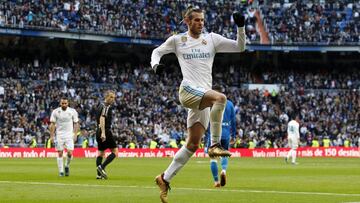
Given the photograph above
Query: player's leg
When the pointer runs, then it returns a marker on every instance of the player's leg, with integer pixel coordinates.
(99, 158)
(289, 155)
(199, 98)
(183, 155)
(290, 151)
(224, 163)
(110, 158)
(293, 160)
(213, 162)
(217, 102)
(59, 146)
(195, 132)
(293, 155)
(110, 143)
(69, 144)
(225, 143)
(215, 172)
(101, 154)
(60, 163)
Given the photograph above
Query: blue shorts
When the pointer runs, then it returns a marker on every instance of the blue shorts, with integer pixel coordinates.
(225, 143)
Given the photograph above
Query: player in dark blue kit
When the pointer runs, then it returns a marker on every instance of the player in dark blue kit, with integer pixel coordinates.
(228, 134)
(104, 135)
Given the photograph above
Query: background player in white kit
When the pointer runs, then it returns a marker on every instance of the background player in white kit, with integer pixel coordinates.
(293, 136)
(65, 120)
(196, 51)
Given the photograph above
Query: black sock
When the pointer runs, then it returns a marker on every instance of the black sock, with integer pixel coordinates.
(108, 160)
(98, 162)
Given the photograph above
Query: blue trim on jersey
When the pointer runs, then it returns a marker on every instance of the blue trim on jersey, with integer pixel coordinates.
(194, 91)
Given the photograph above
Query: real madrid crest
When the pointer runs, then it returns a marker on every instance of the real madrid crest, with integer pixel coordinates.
(203, 42)
(183, 39)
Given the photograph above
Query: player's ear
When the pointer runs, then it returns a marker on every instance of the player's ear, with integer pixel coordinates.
(187, 20)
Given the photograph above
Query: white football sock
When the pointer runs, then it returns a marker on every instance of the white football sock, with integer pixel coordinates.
(180, 159)
(289, 154)
(293, 156)
(60, 163)
(216, 117)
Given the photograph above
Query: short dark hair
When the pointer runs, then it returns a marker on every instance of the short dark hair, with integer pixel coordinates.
(64, 98)
(295, 115)
(190, 10)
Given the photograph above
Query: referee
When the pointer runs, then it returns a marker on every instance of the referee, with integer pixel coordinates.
(104, 135)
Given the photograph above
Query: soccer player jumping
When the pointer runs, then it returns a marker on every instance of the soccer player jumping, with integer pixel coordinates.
(195, 51)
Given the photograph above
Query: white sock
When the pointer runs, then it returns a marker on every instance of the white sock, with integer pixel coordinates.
(180, 159)
(293, 156)
(216, 117)
(289, 154)
(68, 159)
(60, 163)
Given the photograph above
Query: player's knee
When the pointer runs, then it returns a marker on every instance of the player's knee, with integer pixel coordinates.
(114, 150)
(192, 146)
(221, 98)
(101, 154)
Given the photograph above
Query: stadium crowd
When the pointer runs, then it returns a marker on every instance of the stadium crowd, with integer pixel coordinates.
(335, 22)
(330, 22)
(143, 19)
(147, 108)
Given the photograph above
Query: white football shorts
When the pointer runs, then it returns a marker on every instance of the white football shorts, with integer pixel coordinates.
(190, 97)
(293, 143)
(64, 142)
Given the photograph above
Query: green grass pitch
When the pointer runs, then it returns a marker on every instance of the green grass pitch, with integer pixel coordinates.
(132, 180)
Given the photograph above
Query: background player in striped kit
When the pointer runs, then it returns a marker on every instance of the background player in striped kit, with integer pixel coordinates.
(104, 136)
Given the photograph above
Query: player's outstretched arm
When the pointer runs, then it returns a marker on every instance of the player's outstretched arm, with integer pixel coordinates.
(167, 47)
(239, 20)
(224, 45)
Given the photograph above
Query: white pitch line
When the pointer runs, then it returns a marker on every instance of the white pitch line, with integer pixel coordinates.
(180, 188)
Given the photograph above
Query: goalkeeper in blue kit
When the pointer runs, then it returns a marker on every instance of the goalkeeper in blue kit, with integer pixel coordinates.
(228, 134)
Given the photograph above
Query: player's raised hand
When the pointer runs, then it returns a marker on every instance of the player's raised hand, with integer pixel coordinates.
(239, 19)
(158, 68)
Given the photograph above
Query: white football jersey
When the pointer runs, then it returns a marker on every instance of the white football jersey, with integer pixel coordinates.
(196, 56)
(293, 130)
(64, 121)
